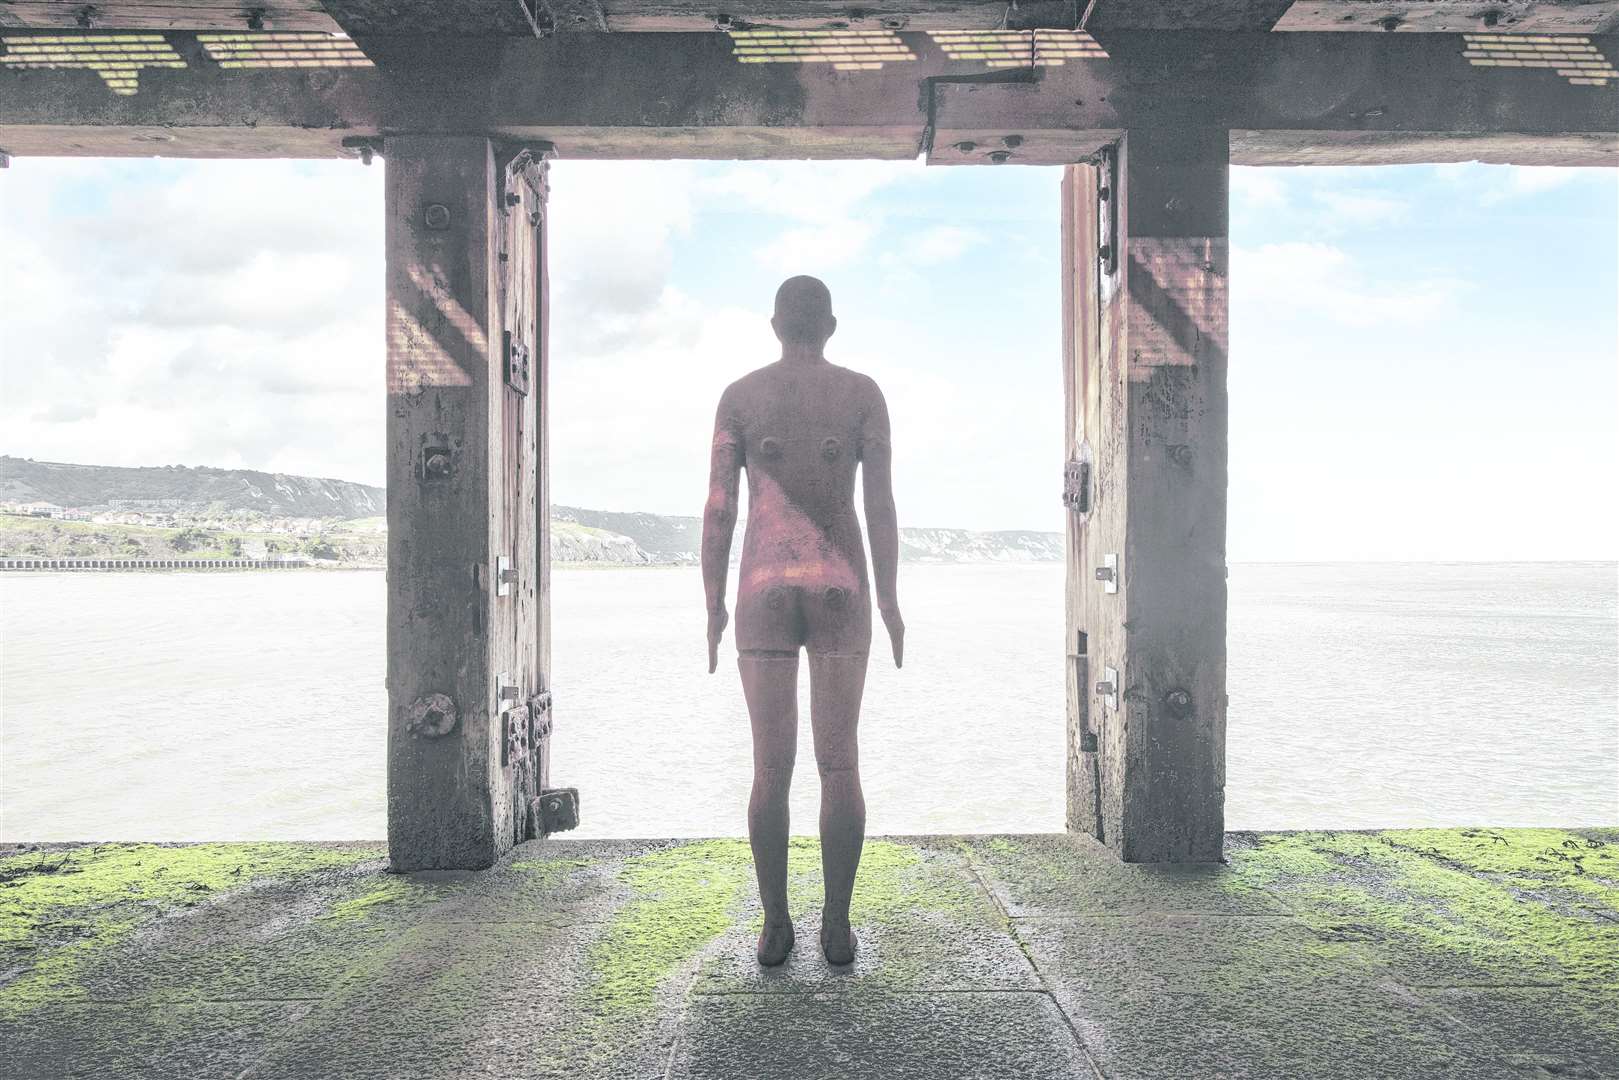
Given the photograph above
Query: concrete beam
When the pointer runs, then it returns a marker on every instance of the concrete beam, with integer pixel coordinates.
(687, 95)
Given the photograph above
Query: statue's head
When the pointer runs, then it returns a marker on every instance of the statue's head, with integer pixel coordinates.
(803, 312)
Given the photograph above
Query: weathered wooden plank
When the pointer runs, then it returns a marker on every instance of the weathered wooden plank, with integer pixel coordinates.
(1454, 16)
(1146, 574)
(1422, 147)
(442, 376)
(166, 15)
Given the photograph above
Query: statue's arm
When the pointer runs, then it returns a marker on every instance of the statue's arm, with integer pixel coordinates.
(882, 523)
(719, 521)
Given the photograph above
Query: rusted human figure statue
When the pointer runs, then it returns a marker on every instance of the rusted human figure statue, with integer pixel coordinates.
(800, 426)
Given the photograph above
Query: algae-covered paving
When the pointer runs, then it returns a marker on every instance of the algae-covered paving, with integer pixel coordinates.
(1465, 953)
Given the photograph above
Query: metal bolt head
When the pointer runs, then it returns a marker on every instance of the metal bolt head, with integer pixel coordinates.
(436, 216)
(1000, 157)
(436, 463)
(966, 146)
(255, 19)
(1011, 142)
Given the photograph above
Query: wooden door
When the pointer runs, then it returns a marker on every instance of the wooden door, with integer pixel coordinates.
(520, 620)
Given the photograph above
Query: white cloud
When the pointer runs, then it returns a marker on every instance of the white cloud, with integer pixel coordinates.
(1257, 187)
(1316, 279)
(1361, 207)
(163, 314)
(1519, 180)
(815, 249)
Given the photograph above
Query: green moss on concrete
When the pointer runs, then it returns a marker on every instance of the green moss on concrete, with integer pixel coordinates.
(1490, 905)
(549, 872)
(684, 897)
(389, 893)
(64, 909)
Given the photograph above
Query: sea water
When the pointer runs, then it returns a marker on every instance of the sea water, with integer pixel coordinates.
(191, 706)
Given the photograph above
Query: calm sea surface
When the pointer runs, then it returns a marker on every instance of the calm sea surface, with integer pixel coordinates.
(251, 705)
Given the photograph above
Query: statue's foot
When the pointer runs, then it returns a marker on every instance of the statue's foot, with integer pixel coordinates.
(838, 941)
(775, 942)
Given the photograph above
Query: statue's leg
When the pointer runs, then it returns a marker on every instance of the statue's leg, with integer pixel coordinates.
(837, 681)
(770, 684)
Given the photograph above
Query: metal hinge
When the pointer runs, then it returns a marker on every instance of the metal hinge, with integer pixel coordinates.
(1107, 210)
(1076, 486)
(524, 727)
(516, 360)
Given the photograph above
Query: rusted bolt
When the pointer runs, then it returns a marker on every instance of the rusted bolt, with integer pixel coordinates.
(534, 218)
(1000, 157)
(830, 448)
(834, 597)
(1174, 204)
(1104, 193)
(255, 19)
(436, 463)
(770, 447)
(1389, 22)
(513, 198)
(722, 22)
(1105, 252)
(430, 717)
(436, 216)
(966, 146)
(1179, 701)
(86, 17)
(366, 154)
(1011, 142)
(893, 22)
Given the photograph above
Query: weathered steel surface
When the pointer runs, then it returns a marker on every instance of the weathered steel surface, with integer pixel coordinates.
(464, 477)
(1149, 400)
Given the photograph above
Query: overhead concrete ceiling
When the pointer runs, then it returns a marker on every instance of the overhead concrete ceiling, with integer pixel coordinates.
(518, 17)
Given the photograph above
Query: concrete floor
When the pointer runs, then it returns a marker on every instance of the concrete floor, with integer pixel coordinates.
(1470, 953)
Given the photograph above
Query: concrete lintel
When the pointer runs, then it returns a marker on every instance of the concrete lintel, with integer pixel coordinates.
(1294, 98)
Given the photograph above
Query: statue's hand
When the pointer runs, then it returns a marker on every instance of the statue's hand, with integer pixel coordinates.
(896, 631)
(717, 620)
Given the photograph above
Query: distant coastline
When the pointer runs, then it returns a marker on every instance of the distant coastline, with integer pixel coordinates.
(53, 512)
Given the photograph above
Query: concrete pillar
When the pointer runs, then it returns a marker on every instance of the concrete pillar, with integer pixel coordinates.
(1145, 367)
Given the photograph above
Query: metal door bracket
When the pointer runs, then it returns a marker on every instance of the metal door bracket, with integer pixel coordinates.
(505, 575)
(1108, 573)
(554, 810)
(506, 693)
(1108, 688)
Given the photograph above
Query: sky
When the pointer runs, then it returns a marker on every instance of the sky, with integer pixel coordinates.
(1424, 359)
